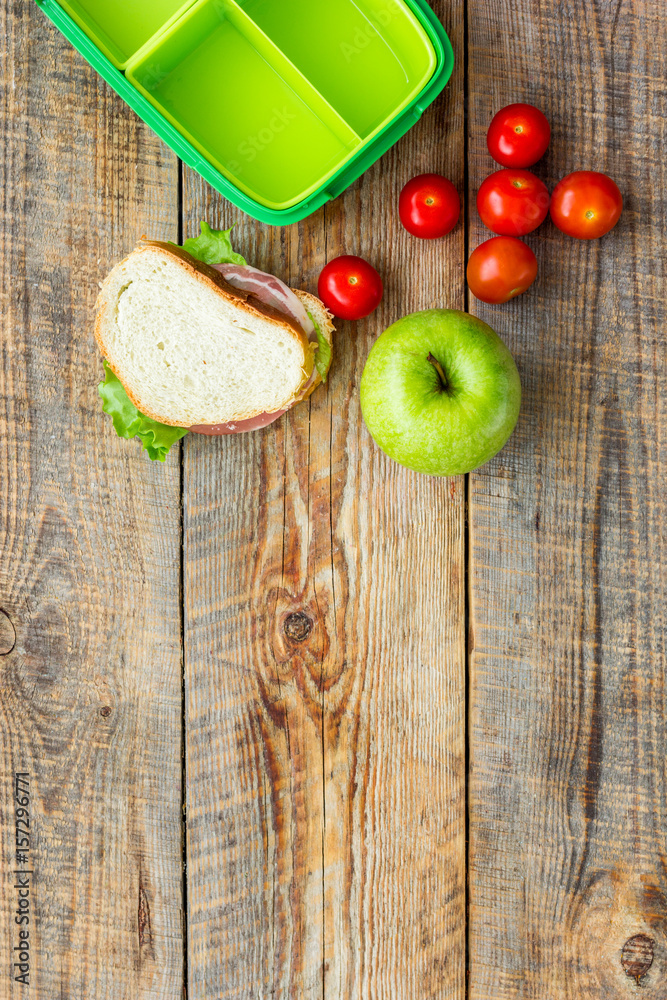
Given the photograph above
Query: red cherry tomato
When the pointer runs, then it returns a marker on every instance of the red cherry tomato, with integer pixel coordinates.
(512, 202)
(350, 287)
(518, 136)
(429, 206)
(586, 204)
(501, 269)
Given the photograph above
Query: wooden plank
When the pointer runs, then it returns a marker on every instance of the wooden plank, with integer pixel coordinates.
(567, 807)
(325, 649)
(90, 695)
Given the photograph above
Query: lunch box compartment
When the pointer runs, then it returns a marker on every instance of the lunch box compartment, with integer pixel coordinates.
(279, 104)
(368, 58)
(218, 78)
(121, 27)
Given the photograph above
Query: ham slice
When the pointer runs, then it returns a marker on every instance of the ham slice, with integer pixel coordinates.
(238, 426)
(273, 292)
(270, 290)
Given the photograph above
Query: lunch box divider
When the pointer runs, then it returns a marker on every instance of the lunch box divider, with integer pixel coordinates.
(122, 27)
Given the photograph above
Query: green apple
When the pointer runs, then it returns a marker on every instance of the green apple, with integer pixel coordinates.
(440, 392)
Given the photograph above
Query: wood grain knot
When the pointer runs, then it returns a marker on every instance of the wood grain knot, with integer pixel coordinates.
(105, 712)
(7, 634)
(637, 956)
(298, 626)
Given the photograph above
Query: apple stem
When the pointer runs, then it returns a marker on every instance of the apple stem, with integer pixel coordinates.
(440, 370)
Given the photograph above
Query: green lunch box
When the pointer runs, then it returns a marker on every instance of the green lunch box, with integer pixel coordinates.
(279, 104)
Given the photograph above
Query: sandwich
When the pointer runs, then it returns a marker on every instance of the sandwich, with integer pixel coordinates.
(193, 339)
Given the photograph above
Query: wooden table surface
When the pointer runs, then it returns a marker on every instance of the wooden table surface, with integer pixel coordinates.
(444, 777)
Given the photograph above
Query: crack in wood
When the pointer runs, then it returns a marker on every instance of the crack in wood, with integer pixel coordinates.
(144, 923)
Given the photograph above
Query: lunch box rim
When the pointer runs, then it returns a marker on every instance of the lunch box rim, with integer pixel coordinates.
(359, 161)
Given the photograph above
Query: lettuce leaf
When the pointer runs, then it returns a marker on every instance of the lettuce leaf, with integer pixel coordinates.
(213, 246)
(323, 352)
(129, 422)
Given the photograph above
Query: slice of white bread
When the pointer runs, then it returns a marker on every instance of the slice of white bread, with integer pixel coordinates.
(191, 349)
